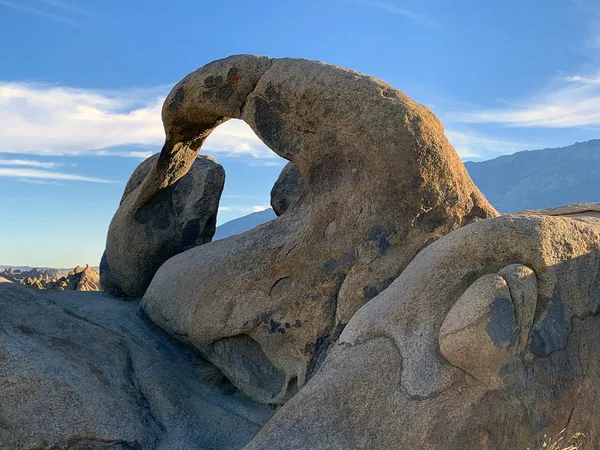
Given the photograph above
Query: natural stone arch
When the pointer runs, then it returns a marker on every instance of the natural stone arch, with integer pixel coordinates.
(382, 183)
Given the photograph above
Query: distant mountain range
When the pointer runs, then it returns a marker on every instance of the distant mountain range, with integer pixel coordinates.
(540, 178)
(534, 179)
(241, 224)
(63, 270)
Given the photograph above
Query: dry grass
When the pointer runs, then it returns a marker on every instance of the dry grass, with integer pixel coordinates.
(578, 441)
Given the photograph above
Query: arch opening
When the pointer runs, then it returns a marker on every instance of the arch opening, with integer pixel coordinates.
(251, 169)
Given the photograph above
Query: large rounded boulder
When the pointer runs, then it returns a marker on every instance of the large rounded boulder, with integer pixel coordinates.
(381, 183)
(144, 233)
(488, 339)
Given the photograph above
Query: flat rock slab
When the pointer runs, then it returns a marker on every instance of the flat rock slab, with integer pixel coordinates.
(84, 370)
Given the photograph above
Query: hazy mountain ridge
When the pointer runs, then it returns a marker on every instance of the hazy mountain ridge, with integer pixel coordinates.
(540, 178)
(245, 223)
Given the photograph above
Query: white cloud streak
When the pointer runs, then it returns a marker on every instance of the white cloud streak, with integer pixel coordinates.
(474, 146)
(571, 102)
(29, 163)
(46, 119)
(35, 174)
(76, 9)
(38, 12)
(44, 182)
(393, 9)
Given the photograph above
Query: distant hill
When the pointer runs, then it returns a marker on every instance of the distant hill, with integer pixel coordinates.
(62, 271)
(78, 279)
(540, 178)
(242, 224)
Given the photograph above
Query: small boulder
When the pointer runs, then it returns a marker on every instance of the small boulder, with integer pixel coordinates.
(288, 188)
(149, 228)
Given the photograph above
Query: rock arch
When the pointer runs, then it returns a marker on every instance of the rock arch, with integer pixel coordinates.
(382, 182)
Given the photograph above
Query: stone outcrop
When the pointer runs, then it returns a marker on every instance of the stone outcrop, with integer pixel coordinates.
(78, 279)
(382, 182)
(150, 225)
(81, 370)
(486, 340)
(288, 189)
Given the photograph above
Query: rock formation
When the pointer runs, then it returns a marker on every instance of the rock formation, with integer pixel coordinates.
(288, 189)
(382, 183)
(150, 225)
(488, 339)
(78, 279)
(386, 307)
(82, 371)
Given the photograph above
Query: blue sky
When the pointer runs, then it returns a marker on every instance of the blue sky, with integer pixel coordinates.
(82, 82)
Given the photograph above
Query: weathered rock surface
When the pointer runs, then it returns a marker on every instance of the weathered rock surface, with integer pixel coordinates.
(150, 227)
(288, 189)
(488, 339)
(89, 280)
(81, 370)
(382, 182)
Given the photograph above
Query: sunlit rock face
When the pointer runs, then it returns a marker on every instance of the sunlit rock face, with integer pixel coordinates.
(144, 234)
(488, 339)
(381, 183)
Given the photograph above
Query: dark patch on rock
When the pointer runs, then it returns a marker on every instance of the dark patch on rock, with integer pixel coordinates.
(273, 94)
(107, 280)
(551, 333)
(177, 98)
(328, 267)
(232, 74)
(380, 237)
(212, 81)
(370, 292)
(319, 351)
(341, 263)
(501, 327)
(373, 290)
(190, 232)
(268, 123)
(158, 211)
(274, 327)
(431, 220)
(225, 92)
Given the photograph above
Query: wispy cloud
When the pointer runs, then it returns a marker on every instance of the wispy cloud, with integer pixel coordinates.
(393, 9)
(471, 146)
(570, 102)
(38, 12)
(128, 154)
(56, 120)
(66, 6)
(44, 182)
(35, 174)
(29, 163)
